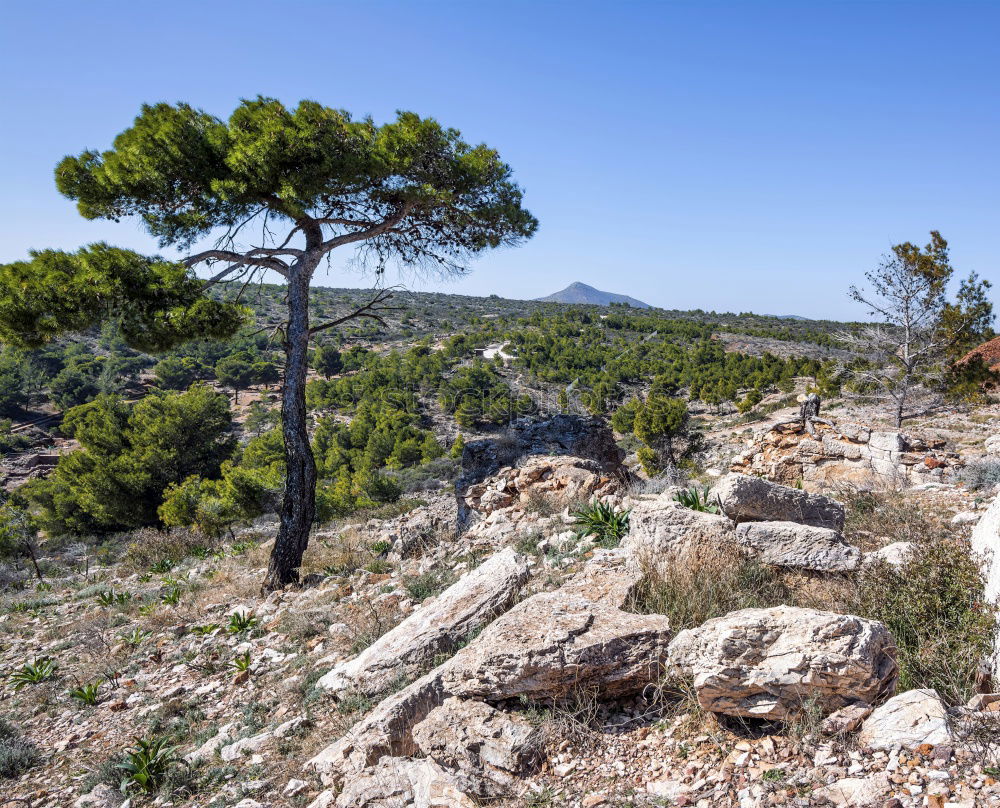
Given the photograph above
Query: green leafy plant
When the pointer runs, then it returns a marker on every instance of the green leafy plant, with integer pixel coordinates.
(111, 598)
(241, 663)
(147, 763)
(106, 598)
(161, 567)
(172, 596)
(137, 636)
(603, 521)
(241, 621)
(378, 566)
(697, 499)
(205, 630)
(86, 694)
(33, 673)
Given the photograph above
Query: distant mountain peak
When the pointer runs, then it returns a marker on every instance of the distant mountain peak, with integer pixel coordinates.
(581, 293)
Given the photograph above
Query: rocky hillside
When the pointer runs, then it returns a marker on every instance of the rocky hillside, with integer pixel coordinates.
(554, 632)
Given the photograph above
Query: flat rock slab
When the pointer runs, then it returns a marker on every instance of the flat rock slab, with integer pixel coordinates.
(662, 532)
(484, 749)
(403, 783)
(439, 626)
(770, 663)
(754, 499)
(787, 544)
(908, 720)
(554, 642)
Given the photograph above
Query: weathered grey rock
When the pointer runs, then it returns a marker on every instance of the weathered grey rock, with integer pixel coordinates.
(483, 749)
(992, 445)
(387, 731)
(895, 555)
(753, 499)
(102, 796)
(850, 792)
(554, 642)
(662, 531)
(403, 783)
(910, 719)
(787, 544)
(439, 626)
(558, 482)
(768, 663)
(543, 648)
(846, 719)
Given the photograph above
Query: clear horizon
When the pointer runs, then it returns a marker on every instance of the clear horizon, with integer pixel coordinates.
(716, 156)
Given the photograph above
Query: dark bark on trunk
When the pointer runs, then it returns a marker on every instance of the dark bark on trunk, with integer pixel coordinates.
(298, 506)
(29, 548)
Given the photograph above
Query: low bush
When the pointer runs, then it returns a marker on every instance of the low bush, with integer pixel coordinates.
(148, 547)
(933, 605)
(711, 585)
(427, 584)
(981, 475)
(17, 755)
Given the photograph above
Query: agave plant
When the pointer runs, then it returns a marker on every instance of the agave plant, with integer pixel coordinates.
(240, 663)
(86, 694)
(33, 673)
(603, 521)
(147, 763)
(137, 636)
(697, 499)
(241, 621)
(172, 596)
(164, 565)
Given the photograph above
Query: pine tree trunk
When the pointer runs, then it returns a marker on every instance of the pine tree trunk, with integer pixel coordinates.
(298, 506)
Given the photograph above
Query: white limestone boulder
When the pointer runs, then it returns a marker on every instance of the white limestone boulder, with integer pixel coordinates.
(769, 663)
(787, 544)
(439, 626)
(908, 720)
(754, 499)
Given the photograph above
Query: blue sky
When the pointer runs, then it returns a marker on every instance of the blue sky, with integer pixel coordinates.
(746, 156)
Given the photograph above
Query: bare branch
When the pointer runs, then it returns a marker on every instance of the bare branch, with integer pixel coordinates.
(371, 310)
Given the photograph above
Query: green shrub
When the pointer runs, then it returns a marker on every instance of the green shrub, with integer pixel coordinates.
(427, 584)
(17, 755)
(933, 605)
(603, 521)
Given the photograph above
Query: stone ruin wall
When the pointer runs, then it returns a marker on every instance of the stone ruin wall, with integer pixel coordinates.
(845, 454)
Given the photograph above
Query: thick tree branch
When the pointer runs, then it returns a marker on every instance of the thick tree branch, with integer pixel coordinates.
(369, 232)
(258, 257)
